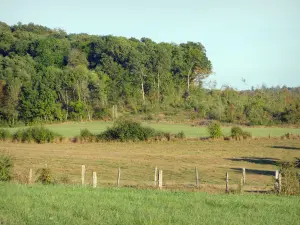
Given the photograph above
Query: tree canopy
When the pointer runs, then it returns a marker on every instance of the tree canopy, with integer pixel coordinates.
(48, 75)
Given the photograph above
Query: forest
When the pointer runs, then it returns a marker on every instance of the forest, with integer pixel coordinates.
(47, 75)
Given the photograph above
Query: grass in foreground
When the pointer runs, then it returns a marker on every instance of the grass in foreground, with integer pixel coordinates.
(37, 204)
(72, 129)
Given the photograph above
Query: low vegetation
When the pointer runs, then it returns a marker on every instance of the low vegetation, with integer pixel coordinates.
(290, 178)
(6, 165)
(291, 136)
(44, 176)
(4, 135)
(238, 133)
(214, 130)
(127, 130)
(39, 135)
(180, 135)
(86, 136)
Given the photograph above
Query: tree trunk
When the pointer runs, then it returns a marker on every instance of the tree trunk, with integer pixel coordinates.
(188, 78)
(158, 91)
(143, 90)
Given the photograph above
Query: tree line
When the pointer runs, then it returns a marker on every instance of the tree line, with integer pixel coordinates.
(48, 75)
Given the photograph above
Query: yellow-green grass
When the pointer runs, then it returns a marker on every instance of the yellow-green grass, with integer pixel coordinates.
(72, 129)
(177, 160)
(56, 204)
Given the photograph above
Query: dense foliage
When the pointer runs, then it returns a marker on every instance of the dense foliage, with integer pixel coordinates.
(38, 135)
(48, 75)
(127, 130)
(6, 165)
(214, 130)
(4, 135)
(238, 133)
(44, 176)
(290, 178)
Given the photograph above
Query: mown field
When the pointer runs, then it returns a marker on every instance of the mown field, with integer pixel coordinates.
(177, 159)
(56, 204)
(73, 128)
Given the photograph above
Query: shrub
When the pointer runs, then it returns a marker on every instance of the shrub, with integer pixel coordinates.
(297, 163)
(214, 130)
(42, 135)
(6, 165)
(127, 130)
(4, 135)
(17, 136)
(86, 135)
(180, 135)
(37, 134)
(246, 134)
(290, 183)
(237, 133)
(167, 135)
(44, 176)
(291, 136)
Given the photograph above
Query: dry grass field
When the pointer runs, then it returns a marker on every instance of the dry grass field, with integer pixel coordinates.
(177, 159)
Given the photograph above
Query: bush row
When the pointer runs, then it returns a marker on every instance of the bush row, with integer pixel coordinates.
(32, 134)
(122, 130)
(127, 130)
(237, 133)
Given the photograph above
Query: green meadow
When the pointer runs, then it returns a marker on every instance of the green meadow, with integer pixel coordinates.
(73, 128)
(37, 204)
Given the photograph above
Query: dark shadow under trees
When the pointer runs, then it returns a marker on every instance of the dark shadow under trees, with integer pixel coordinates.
(255, 171)
(256, 160)
(286, 147)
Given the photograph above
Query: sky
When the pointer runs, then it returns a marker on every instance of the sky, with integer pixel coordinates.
(249, 42)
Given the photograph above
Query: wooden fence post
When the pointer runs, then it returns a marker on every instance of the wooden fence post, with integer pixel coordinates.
(197, 177)
(244, 176)
(155, 177)
(119, 177)
(30, 176)
(94, 179)
(276, 185)
(82, 174)
(160, 179)
(227, 182)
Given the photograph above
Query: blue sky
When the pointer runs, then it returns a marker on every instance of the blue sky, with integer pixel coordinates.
(255, 40)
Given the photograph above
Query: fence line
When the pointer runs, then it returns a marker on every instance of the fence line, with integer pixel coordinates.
(158, 179)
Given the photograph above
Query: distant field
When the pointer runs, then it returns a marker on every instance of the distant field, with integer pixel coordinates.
(21, 204)
(177, 159)
(73, 129)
